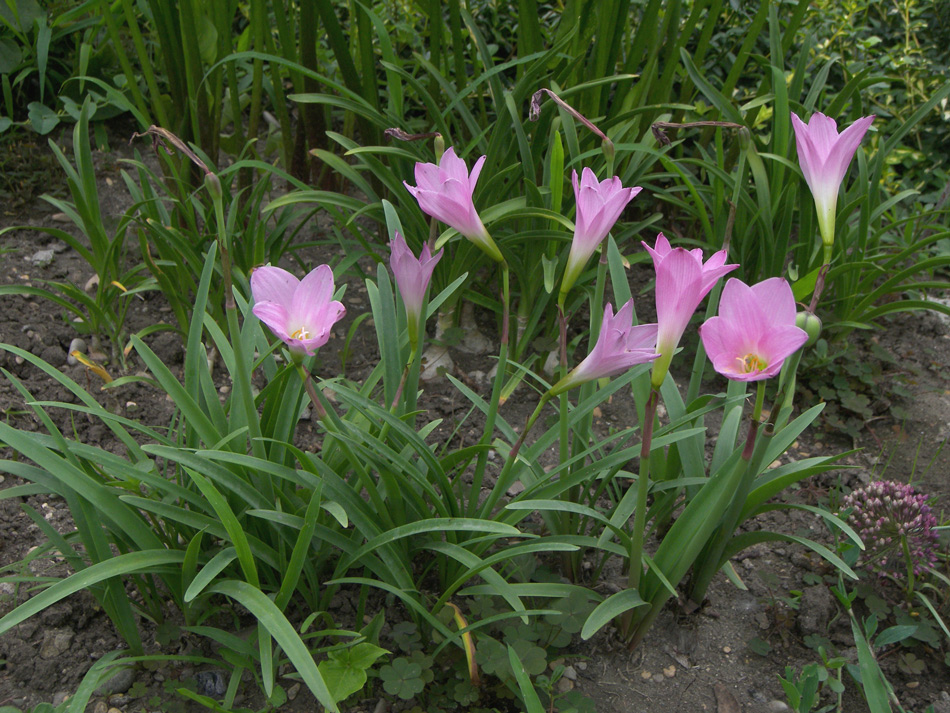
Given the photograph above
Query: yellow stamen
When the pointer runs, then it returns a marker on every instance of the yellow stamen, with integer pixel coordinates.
(301, 333)
(751, 363)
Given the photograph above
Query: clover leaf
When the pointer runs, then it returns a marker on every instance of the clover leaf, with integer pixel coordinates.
(402, 678)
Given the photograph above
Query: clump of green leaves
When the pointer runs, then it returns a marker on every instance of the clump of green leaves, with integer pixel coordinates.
(858, 383)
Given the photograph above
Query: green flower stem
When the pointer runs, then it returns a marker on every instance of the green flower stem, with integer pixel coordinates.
(479, 476)
(242, 376)
(564, 441)
(572, 521)
(582, 431)
(643, 489)
(503, 483)
(759, 400)
(786, 394)
(564, 435)
(597, 304)
(384, 431)
(909, 562)
(752, 453)
(329, 422)
(402, 381)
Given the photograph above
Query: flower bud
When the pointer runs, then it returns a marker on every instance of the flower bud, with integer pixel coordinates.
(213, 184)
(745, 138)
(810, 322)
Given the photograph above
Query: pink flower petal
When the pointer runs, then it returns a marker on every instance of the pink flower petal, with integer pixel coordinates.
(755, 330)
(312, 296)
(274, 316)
(273, 284)
(476, 171)
(774, 297)
(304, 317)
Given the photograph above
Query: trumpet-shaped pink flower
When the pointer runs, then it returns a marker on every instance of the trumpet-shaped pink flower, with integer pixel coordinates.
(824, 156)
(599, 205)
(682, 280)
(299, 312)
(755, 330)
(619, 346)
(412, 277)
(445, 193)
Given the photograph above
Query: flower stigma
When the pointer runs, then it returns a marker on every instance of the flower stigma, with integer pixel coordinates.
(751, 363)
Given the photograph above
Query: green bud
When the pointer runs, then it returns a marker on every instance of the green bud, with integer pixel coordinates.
(439, 146)
(810, 322)
(745, 138)
(213, 185)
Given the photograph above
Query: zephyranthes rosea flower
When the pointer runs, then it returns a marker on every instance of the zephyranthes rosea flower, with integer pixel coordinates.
(755, 330)
(599, 205)
(682, 280)
(824, 156)
(412, 277)
(619, 346)
(445, 192)
(300, 312)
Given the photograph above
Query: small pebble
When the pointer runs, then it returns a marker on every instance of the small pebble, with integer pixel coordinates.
(76, 345)
(776, 706)
(913, 684)
(727, 649)
(570, 673)
(646, 675)
(293, 691)
(41, 258)
(211, 683)
(670, 671)
(516, 488)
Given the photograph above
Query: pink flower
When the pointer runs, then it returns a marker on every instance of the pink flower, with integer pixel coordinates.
(755, 330)
(682, 280)
(299, 312)
(445, 193)
(619, 346)
(824, 156)
(599, 205)
(412, 277)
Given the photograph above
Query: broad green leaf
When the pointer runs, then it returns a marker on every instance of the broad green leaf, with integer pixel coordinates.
(273, 620)
(345, 670)
(609, 609)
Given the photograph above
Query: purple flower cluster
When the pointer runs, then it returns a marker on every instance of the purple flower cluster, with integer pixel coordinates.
(886, 514)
